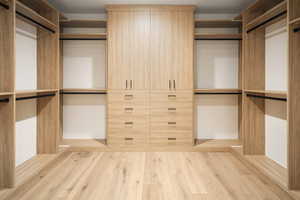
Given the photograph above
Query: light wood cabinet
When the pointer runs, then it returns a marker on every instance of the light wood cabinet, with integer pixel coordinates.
(150, 75)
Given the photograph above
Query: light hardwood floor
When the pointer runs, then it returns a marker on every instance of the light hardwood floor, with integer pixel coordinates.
(149, 176)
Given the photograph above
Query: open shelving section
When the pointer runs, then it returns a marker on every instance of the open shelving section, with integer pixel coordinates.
(216, 95)
(83, 91)
(33, 82)
(270, 88)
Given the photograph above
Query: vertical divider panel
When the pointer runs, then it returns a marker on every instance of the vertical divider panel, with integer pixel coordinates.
(7, 84)
(48, 78)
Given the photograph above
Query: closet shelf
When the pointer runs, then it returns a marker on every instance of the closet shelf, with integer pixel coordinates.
(31, 15)
(101, 36)
(82, 91)
(25, 93)
(6, 93)
(268, 93)
(84, 23)
(218, 91)
(217, 23)
(277, 11)
(295, 20)
(198, 36)
(4, 4)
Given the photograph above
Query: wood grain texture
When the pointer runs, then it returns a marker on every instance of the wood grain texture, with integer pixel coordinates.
(64, 36)
(268, 93)
(294, 10)
(152, 175)
(7, 43)
(7, 142)
(83, 23)
(217, 23)
(220, 91)
(198, 36)
(294, 109)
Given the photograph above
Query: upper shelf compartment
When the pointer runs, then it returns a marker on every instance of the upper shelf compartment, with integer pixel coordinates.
(83, 23)
(31, 15)
(279, 11)
(218, 23)
(237, 36)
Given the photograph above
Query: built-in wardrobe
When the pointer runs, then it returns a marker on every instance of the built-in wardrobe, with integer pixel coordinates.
(150, 75)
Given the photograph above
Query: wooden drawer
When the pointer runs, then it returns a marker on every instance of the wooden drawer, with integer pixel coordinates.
(163, 96)
(163, 125)
(171, 141)
(126, 140)
(120, 125)
(128, 96)
(136, 110)
(171, 111)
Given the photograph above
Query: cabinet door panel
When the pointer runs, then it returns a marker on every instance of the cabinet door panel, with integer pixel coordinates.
(161, 49)
(118, 50)
(183, 40)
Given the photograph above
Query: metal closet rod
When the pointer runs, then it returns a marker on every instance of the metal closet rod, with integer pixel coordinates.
(4, 5)
(272, 18)
(265, 97)
(82, 39)
(4, 100)
(296, 30)
(217, 93)
(218, 39)
(83, 92)
(35, 97)
(37, 23)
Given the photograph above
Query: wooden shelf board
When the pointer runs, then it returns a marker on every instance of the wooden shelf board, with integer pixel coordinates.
(265, 166)
(28, 12)
(268, 93)
(218, 36)
(6, 93)
(295, 21)
(217, 143)
(24, 93)
(4, 2)
(217, 23)
(218, 91)
(83, 23)
(83, 36)
(83, 90)
(280, 8)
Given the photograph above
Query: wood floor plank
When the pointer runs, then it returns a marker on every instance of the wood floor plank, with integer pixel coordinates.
(149, 176)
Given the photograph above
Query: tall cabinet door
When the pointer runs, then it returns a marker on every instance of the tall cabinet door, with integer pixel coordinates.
(128, 49)
(183, 46)
(161, 49)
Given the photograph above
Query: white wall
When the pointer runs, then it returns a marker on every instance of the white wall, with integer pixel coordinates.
(26, 56)
(84, 116)
(217, 116)
(26, 79)
(276, 79)
(26, 130)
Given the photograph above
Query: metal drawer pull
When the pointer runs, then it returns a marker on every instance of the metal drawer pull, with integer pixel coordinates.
(128, 123)
(171, 138)
(169, 84)
(172, 96)
(128, 96)
(172, 123)
(131, 84)
(172, 109)
(174, 82)
(128, 139)
(128, 109)
(126, 84)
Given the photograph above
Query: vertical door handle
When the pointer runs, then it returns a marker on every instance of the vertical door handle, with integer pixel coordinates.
(126, 84)
(170, 84)
(174, 82)
(131, 84)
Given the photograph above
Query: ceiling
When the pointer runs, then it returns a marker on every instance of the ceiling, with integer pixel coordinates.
(206, 6)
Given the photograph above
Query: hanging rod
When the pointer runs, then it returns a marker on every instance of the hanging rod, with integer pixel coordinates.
(4, 100)
(32, 20)
(296, 30)
(35, 97)
(4, 5)
(83, 92)
(82, 39)
(265, 97)
(216, 93)
(218, 39)
(265, 22)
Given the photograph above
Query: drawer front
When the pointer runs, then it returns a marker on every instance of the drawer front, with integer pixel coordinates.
(127, 125)
(127, 97)
(126, 140)
(127, 110)
(182, 96)
(171, 141)
(171, 111)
